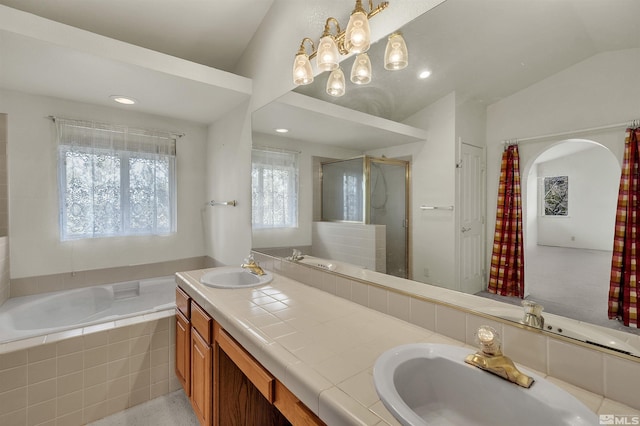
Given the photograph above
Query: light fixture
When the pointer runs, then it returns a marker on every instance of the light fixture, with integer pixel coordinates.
(282, 130)
(356, 39)
(302, 72)
(328, 56)
(335, 83)
(125, 100)
(396, 56)
(361, 70)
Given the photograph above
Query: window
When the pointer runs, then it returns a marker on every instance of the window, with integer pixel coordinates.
(352, 197)
(114, 181)
(274, 184)
(556, 196)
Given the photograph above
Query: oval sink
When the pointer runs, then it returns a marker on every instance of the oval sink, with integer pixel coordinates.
(427, 384)
(234, 277)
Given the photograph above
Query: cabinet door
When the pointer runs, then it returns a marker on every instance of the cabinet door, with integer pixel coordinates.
(183, 352)
(201, 378)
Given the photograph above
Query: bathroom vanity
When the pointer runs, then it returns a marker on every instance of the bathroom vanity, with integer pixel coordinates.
(225, 384)
(307, 354)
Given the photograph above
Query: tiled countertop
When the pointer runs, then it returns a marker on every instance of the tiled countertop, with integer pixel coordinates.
(320, 346)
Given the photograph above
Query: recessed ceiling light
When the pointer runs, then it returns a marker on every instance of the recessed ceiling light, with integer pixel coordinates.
(424, 74)
(282, 130)
(123, 99)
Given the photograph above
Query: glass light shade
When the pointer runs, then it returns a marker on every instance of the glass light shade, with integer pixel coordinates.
(396, 56)
(328, 55)
(335, 83)
(302, 71)
(357, 37)
(361, 70)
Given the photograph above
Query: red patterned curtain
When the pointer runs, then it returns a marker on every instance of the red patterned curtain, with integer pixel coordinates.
(623, 288)
(507, 260)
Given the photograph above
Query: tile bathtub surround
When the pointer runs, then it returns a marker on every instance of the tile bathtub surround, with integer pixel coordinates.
(594, 371)
(66, 281)
(354, 243)
(84, 378)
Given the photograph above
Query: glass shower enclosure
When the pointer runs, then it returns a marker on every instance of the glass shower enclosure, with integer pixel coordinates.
(373, 191)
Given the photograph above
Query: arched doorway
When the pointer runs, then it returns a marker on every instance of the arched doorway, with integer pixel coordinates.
(570, 207)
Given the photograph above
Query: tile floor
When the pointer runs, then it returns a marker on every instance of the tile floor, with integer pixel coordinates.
(172, 409)
(570, 282)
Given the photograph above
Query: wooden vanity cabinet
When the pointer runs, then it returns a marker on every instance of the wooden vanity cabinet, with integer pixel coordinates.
(194, 355)
(225, 384)
(183, 340)
(293, 409)
(201, 364)
(245, 390)
(248, 395)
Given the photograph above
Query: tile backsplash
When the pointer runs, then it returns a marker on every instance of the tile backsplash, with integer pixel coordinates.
(611, 376)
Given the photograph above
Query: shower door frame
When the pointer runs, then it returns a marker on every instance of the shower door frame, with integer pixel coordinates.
(407, 210)
(366, 205)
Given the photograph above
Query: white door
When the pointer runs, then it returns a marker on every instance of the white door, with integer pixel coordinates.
(471, 232)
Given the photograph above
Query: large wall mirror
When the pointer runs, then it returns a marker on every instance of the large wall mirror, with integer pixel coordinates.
(559, 76)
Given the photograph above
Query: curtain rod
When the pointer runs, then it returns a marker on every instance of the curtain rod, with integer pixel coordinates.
(633, 123)
(274, 149)
(173, 134)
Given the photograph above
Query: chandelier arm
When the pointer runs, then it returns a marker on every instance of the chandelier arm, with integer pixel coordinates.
(382, 6)
(327, 27)
(339, 37)
(302, 48)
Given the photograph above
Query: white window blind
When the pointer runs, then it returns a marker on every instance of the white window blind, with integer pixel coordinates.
(115, 180)
(274, 182)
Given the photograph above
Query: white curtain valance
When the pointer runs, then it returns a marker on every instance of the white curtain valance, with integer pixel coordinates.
(90, 134)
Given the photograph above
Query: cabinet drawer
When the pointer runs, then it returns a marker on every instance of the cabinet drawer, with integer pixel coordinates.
(182, 302)
(261, 378)
(293, 409)
(201, 321)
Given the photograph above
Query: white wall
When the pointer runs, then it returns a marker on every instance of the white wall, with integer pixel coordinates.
(592, 200)
(599, 91)
(228, 177)
(434, 245)
(300, 236)
(432, 183)
(36, 248)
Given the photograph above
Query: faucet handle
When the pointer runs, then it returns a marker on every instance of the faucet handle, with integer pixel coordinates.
(533, 308)
(488, 340)
(532, 314)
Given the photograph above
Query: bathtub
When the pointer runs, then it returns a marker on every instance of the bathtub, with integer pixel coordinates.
(39, 318)
(568, 327)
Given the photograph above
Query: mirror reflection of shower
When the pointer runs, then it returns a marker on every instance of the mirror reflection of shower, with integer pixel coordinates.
(371, 191)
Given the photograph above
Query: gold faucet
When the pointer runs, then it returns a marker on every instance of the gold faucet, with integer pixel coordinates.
(491, 359)
(252, 265)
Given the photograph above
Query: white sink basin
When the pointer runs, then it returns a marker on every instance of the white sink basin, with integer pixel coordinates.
(430, 384)
(234, 277)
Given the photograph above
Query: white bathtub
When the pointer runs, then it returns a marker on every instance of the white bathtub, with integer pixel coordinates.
(568, 327)
(84, 309)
